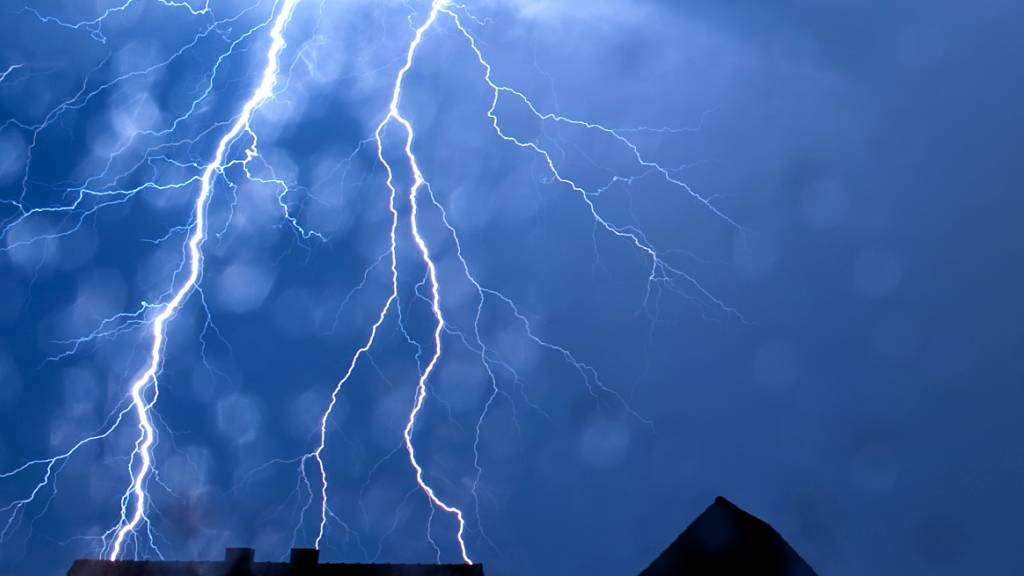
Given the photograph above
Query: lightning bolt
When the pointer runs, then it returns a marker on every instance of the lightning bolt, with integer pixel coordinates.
(144, 389)
(143, 392)
(394, 116)
(661, 270)
(147, 381)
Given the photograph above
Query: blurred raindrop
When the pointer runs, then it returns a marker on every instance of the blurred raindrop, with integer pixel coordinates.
(29, 255)
(239, 417)
(78, 249)
(185, 471)
(81, 391)
(243, 287)
(10, 380)
(824, 204)
(307, 409)
(877, 273)
(604, 443)
(12, 156)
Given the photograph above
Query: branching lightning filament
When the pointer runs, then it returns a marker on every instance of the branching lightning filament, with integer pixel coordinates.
(135, 499)
(415, 210)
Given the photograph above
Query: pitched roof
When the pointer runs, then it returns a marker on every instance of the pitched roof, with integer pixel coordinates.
(726, 540)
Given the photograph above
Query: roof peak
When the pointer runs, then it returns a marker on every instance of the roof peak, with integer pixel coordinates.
(725, 539)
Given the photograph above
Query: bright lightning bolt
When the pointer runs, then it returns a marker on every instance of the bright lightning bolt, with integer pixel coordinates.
(421, 388)
(91, 197)
(394, 115)
(660, 271)
(148, 379)
(144, 389)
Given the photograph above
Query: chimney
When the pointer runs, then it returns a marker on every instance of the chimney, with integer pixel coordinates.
(239, 560)
(305, 558)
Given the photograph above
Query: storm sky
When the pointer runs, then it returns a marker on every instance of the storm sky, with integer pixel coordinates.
(838, 352)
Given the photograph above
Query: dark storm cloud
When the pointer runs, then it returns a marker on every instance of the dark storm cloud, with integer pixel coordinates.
(868, 407)
(898, 276)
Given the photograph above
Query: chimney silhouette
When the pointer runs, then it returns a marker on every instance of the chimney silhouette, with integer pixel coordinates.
(239, 560)
(305, 557)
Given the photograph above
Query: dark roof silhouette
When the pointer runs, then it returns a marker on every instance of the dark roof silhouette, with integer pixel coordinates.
(725, 540)
(241, 562)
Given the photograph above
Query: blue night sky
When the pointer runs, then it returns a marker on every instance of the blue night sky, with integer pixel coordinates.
(827, 194)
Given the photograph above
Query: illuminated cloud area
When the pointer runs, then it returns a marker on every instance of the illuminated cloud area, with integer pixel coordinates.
(669, 250)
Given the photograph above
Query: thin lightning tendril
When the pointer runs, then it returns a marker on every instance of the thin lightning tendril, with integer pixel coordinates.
(148, 380)
(86, 200)
(394, 115)
(8, 71)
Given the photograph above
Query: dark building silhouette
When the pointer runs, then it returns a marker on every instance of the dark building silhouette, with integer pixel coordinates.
(724, 541)
(241, 562)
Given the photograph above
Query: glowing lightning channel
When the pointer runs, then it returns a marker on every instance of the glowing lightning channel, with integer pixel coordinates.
(95, 26)
(661, 270)
(144, 389)
(394, 115)
(136, 493)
